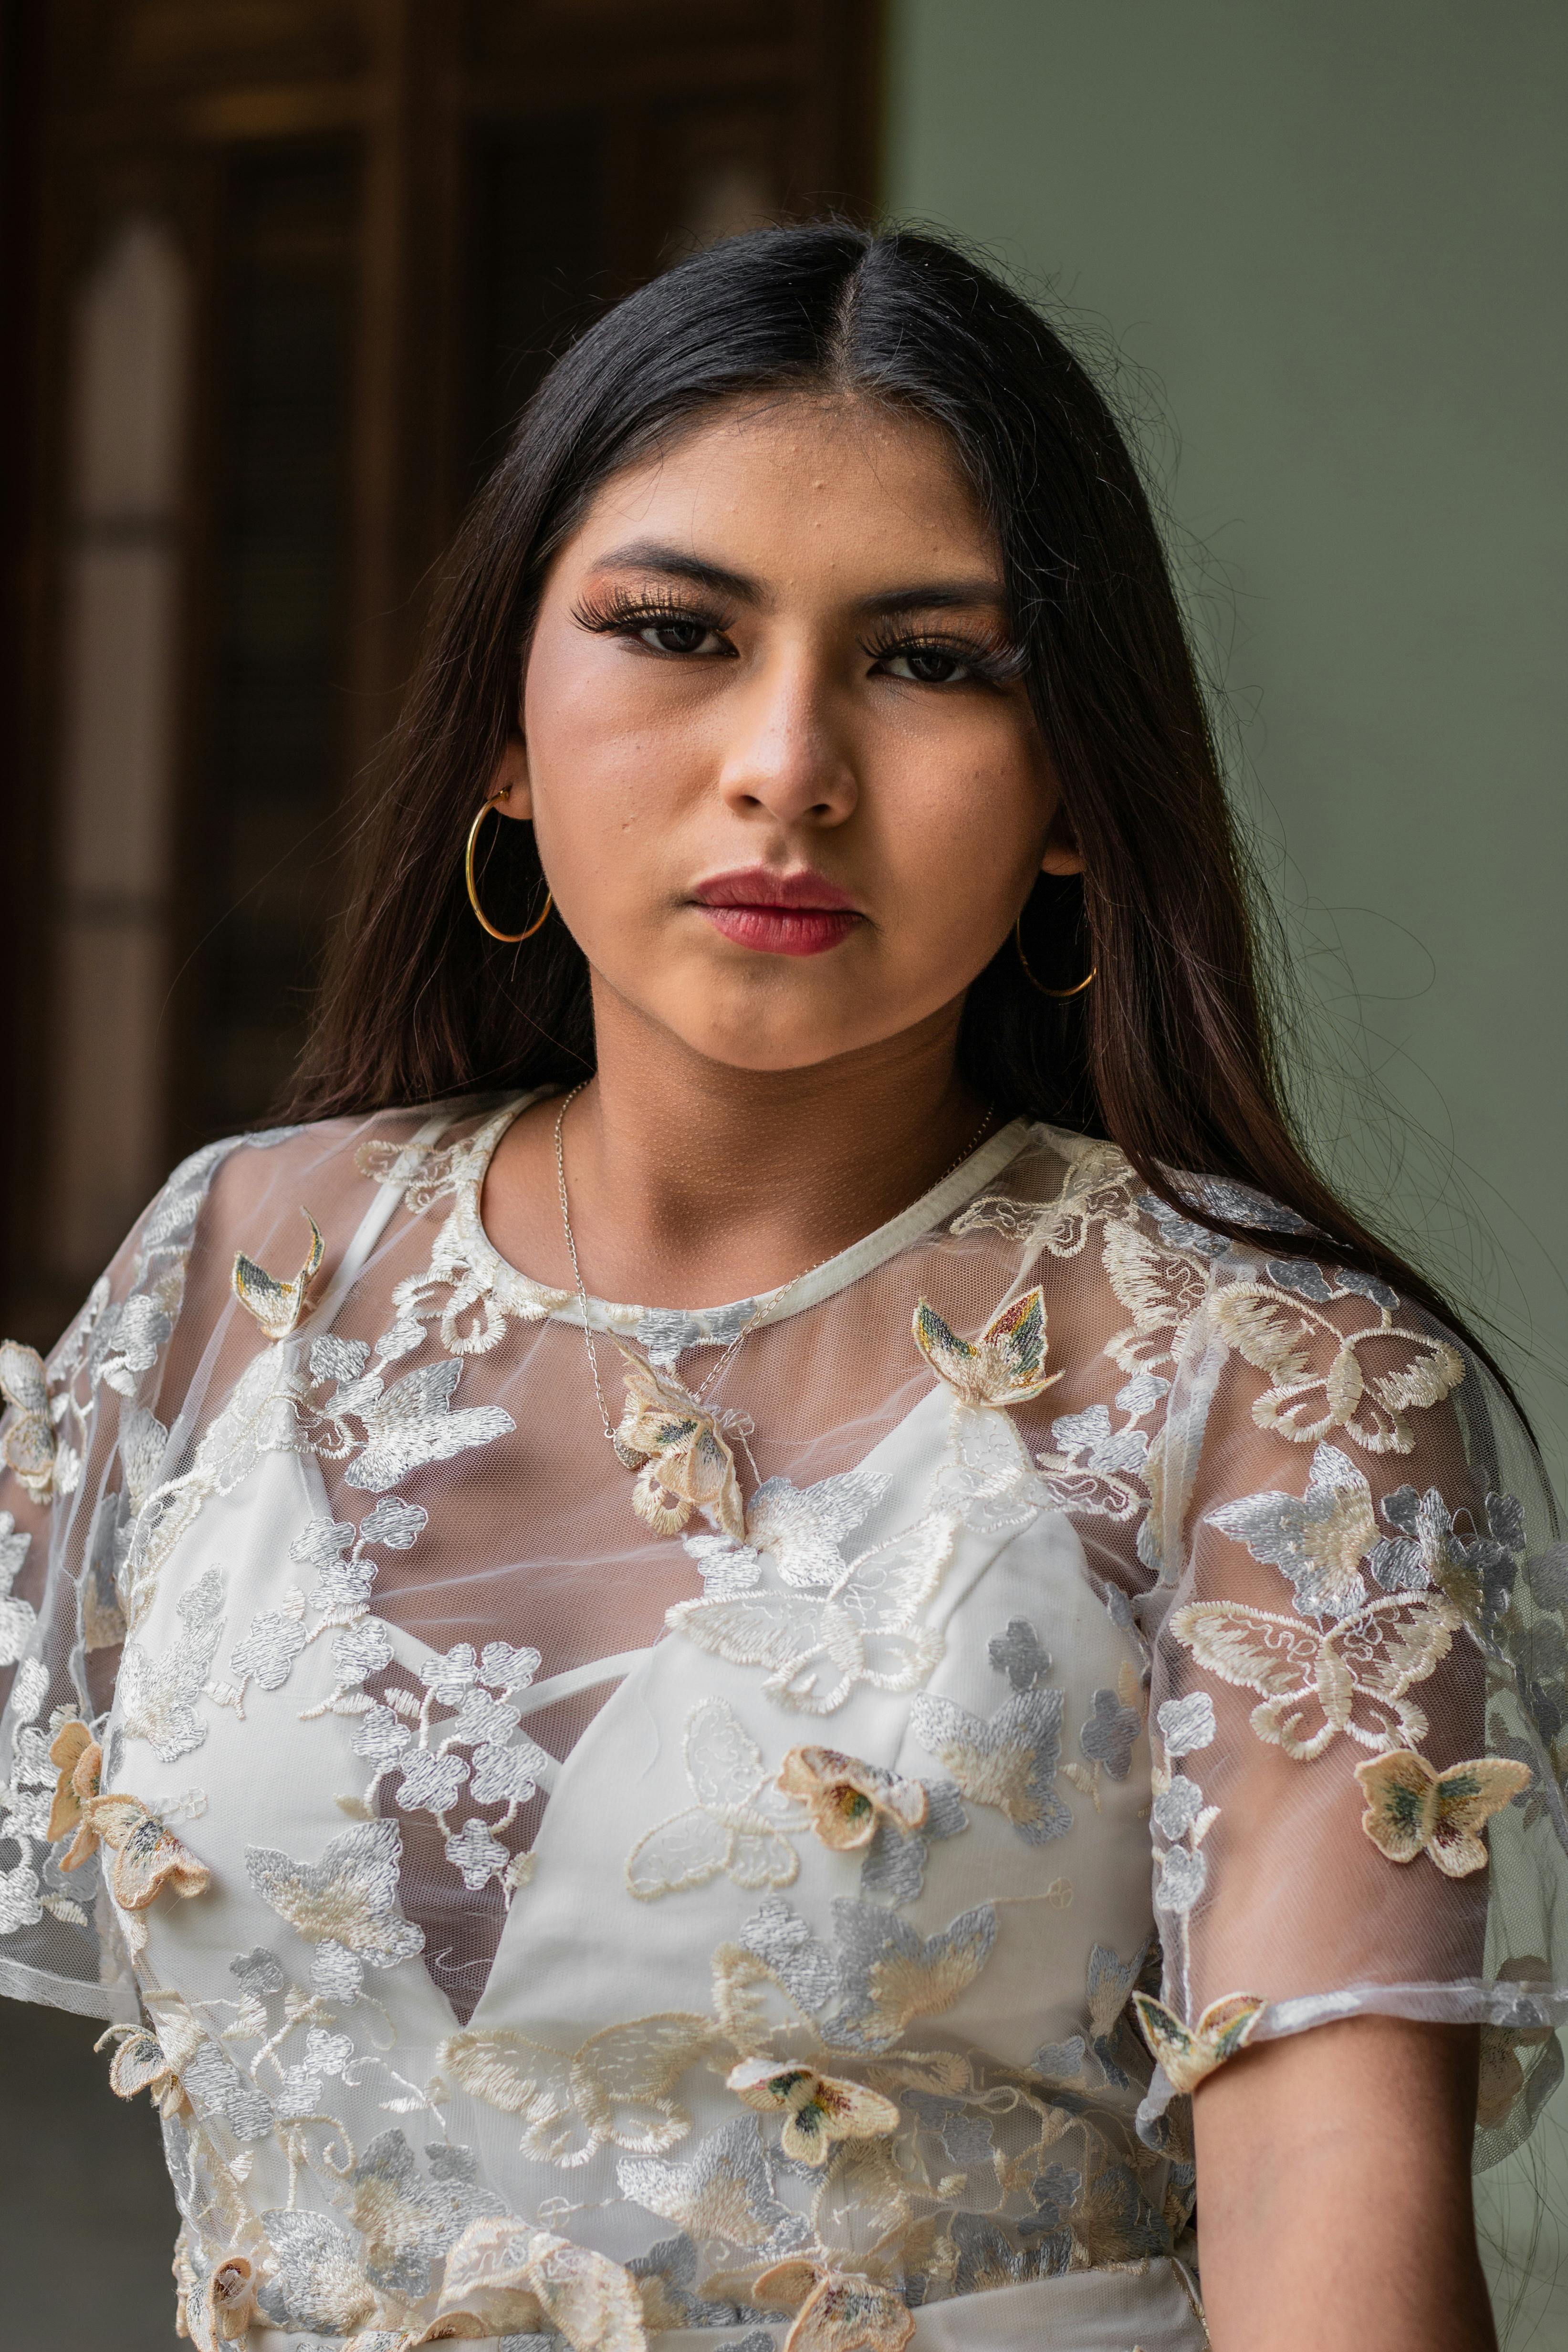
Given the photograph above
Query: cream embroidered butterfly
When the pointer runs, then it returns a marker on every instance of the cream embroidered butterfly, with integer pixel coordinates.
(733, 1829)
(682, 1462)
(616, 2086)
(1412, 1809)
(278, 1305)
(1188, 2053)
(1374, 1655)
(29, 1447)
(817, 2109)
(1005, 1366)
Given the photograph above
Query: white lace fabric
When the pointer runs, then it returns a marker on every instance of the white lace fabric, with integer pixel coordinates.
(474, 1810)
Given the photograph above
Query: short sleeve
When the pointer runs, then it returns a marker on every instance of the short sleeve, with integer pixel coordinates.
(1358, 1699)
(83, 1442)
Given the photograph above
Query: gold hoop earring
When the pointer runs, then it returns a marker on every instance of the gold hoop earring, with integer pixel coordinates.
(1076, 990)
(510, 937)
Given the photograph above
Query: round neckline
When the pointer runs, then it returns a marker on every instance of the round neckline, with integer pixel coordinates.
(715, 1325)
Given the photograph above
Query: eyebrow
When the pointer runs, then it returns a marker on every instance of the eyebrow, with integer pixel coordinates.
(922, 596)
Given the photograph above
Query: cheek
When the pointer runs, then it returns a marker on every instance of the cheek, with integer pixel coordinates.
(962, 826)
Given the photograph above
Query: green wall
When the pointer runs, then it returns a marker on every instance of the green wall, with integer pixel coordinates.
(1327, 241)
(1332, 235)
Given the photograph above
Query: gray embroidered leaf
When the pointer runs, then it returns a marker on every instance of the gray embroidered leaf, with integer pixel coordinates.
(269, 1651)
(258, 1971)
(1109, 1736)
(394, 1523)
(17, 1619)
(508, 1775)
(1183, 1874)
(1187, 1723)
(318, 2283)
(1017, 1654)
(893, 1870)
(1178, 1807)
(158, 1695)
(431, 1781)
(476, 1856)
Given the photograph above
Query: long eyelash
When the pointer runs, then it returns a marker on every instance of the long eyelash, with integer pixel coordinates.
(992, 658)
(615, 609)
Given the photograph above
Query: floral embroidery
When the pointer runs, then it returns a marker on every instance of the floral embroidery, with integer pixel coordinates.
(724, 2189)
(475, 1688)
(1318, 1539)
(158, 1698)
(682, 1462)
(29, 1445)
(79, 1759)
(405, 2220)
(141, 2063)
(231, 2298)
(1018, 1654)
(821, 1644)
(1305, 1404)
(1412, 1809)
(278, 1305)
(345, 1904)
(1093, 1467)
(318, 2283)
(879, 1971)
(818, 2109)
(835, 2313)
(1190, 2053)
(528, 2280)
(149, 1856)
(1111, 1731)
(734, 1828)
(1008, 1760)
(1006, 1366)
(847, 1801)
(893, 1869)
(18, 1620)
(615, 2088)
(1088, 2061)
(1374, 1657)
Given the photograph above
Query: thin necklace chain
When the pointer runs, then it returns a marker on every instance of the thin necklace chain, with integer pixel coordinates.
(767, 1307)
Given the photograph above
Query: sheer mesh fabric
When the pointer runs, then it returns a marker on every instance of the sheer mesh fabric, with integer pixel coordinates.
(529, 1539)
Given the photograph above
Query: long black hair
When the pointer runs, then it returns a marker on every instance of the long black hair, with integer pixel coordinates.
(1171, 1053)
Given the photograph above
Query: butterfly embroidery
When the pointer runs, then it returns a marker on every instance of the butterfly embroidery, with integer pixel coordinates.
(682, 1462)
(30, 1446)
(833, 2314)
(849, 1800)
(1008, 1760)
(1374, 1655)
(732, 1829)
(1412, 1809)
(616, 2086)
(504, 2278)
(819, 1645)
(1189, 2053)
(148, 1857)
(817, 2109)
(1005, 1366)
(278, 1305)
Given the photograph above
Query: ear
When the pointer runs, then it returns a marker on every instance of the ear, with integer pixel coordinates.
(1061, 853)
(510, 780)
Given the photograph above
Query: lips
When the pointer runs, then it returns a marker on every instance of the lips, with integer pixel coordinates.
(798, 914)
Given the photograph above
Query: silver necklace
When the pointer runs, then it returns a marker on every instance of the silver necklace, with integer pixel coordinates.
(768, 1307)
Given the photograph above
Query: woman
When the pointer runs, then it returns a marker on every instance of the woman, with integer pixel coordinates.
(633, 1820)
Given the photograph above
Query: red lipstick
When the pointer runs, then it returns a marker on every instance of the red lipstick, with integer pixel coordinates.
(798, 914)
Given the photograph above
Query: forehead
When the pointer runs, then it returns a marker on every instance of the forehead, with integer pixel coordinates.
(761, 482)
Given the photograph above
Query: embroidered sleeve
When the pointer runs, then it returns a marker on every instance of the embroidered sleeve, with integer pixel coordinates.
(1358, 1700)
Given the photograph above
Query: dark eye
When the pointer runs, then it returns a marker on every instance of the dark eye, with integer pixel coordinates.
(927, 666)
(676, 637)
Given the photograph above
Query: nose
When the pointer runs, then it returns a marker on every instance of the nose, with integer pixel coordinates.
(786, 754)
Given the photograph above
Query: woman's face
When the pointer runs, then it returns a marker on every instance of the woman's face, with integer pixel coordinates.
(788, 791)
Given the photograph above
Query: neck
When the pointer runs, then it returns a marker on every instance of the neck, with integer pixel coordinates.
(691, 1181)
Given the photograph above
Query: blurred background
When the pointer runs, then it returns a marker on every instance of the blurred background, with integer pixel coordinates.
(275, 275)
